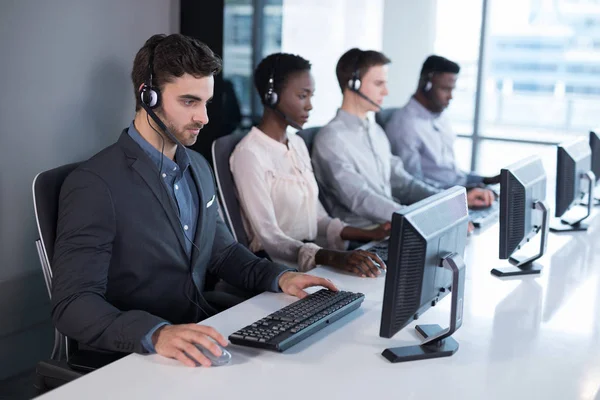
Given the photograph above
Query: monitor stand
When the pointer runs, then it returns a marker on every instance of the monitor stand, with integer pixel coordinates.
(437, 341)
(595, 197)
(576, 225)
(526, 265)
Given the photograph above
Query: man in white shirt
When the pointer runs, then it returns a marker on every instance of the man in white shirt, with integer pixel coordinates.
(362, 182)
(421, 135)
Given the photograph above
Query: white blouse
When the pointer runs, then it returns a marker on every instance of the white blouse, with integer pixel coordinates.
(279, 198)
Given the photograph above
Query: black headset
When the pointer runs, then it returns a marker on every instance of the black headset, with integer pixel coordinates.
(354, 83)
(149, 95)
(271, 96)
(428, 83)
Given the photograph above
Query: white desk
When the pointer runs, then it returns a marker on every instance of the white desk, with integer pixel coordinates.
(527, 338)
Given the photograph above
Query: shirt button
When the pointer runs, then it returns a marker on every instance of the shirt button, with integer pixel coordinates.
(176, 187)
(174, 168)
(164, 175)
(185, 227)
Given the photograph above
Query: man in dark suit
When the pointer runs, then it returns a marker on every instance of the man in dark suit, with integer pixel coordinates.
(138, 228)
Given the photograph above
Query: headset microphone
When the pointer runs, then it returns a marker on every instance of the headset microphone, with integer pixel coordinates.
(160, 124)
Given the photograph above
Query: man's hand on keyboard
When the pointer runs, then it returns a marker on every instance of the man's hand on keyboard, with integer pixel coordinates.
(178, 342)
(293, 283)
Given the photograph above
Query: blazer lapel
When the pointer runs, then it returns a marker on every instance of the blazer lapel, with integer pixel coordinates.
(200, 229)
(143, 166)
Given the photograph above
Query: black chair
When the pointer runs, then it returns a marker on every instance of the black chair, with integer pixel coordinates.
(308, 135)
(221, 151)
(46, 190)
(383, 117)
(67, 361)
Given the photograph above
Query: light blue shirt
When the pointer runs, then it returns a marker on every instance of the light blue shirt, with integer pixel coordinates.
(425, 143)
(177, 178)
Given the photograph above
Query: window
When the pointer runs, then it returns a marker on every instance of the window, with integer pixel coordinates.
(543, 69)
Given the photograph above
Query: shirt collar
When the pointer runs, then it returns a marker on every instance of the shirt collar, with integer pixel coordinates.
(351, 120)
(169, 166)
(269, 142)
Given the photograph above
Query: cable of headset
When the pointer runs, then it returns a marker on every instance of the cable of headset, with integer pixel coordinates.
(150, 99)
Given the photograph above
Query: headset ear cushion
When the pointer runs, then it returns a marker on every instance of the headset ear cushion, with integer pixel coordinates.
(273, 98)
(149, 96)
(428, 86)
(354, 84)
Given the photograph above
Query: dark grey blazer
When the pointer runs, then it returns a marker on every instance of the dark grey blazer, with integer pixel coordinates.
(120, 265)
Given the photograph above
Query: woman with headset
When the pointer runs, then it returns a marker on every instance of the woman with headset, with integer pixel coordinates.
(276, 185)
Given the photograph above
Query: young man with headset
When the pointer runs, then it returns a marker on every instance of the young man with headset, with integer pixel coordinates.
(421, 135)
(138, 228)
(362, 181)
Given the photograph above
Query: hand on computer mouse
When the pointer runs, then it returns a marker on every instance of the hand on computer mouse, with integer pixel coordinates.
(479, 198)
(359, 262)
(381, 232)
(179, 342)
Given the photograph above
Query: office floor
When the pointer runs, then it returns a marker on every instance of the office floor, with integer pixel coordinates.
(18, 387)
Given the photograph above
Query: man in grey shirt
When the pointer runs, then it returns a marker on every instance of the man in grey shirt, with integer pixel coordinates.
(421, 135)
(362, 182)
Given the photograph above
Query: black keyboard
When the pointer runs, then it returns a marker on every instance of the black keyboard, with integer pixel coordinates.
(288, 326)
(483, 216)
(381, 249)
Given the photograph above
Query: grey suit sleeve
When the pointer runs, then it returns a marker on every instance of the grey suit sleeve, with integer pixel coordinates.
(83, 248)
(239, 267)
(407, 188)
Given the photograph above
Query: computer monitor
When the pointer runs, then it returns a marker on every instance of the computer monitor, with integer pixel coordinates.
(574, 164)
(425, 263)
(595, 148)
(523, 214)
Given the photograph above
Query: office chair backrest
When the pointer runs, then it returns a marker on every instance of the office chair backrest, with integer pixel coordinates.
(46, 191)
(384, 116)
(308, 135)
(221, 151)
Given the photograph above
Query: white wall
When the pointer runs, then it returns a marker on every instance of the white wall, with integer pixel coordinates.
(409, 33)
(321, 31)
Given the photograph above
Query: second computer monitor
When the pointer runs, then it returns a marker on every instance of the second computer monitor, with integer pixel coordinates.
(424, 267)
(523, 214)
(595, 147)
(574, 164)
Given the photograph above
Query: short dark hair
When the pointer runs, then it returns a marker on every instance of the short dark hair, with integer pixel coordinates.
(438, 64)
(174, 56)
(281, 65)
(357, 59)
